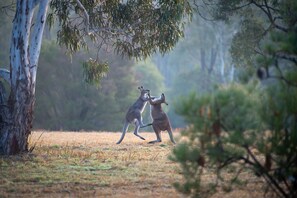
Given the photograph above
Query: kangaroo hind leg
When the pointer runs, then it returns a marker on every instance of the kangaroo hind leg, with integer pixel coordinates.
(158, 134)
(136, 130)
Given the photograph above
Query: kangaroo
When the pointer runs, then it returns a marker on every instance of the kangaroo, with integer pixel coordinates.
(160, 119)
(134, 114)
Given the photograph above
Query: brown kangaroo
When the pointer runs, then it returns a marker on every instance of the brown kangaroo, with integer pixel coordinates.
(134, 113)
(160, 119)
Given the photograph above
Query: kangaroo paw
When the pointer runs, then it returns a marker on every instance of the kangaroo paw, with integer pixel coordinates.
(155, 141)
(139, 136)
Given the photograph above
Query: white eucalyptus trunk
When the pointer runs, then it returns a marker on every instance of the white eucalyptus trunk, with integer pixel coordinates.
(24, 54)
(221, 56)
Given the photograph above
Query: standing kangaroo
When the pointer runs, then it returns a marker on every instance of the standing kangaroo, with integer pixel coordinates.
(160, 119)
(134, 114)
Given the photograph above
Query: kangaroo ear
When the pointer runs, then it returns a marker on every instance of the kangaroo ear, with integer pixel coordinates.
(140, 88)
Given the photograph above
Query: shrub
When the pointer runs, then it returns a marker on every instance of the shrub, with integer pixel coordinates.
(236, 129)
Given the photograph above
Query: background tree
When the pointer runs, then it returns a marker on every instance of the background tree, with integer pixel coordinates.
(252, 127)
(199, 62)
(75, 105)
(133, 28)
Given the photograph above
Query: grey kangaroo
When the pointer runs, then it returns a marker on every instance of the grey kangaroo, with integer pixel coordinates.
(160, 119)
(134, 114)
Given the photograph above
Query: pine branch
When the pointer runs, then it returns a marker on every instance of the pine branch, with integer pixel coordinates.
(267, 176)
(281, 77)
(283, 55)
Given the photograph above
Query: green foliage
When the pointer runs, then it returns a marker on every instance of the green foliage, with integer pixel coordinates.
(280, 118)
(94, 71)
(227, 125)
(246, 41)
(222, 125)
(233, 107)
(65, 102)
(189, 156)
(133, 28)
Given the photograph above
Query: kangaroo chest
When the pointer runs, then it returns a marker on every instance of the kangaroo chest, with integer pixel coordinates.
(139, 105)
(157, 112)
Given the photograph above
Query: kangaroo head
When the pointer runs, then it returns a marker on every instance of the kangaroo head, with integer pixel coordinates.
(158, 101)
(144, 93)
(163, 99)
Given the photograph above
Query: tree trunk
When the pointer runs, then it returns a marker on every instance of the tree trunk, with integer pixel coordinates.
(202, 59)
(213, 56)
(232, 73)
(17, 111)
(221, 55)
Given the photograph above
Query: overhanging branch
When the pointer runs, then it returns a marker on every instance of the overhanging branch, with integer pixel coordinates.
(87, 18)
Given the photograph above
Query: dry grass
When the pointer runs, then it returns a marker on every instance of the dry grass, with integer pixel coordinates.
(72, 164)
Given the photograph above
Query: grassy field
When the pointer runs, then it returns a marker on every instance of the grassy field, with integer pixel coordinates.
(80, 164)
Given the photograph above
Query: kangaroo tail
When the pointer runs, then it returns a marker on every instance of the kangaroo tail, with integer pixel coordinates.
(125, 128)
(171, 135)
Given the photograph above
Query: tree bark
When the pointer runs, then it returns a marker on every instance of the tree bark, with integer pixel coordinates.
(24, 54)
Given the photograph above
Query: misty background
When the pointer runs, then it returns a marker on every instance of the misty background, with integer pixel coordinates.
(64, 101)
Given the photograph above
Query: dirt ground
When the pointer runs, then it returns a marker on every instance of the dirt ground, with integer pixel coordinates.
(91, 164)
